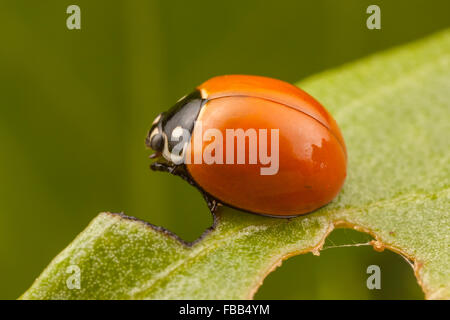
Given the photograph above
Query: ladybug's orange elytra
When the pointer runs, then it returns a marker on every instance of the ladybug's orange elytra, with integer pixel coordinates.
(310, 152)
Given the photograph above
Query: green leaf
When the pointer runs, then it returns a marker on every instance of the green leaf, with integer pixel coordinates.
(394, 110)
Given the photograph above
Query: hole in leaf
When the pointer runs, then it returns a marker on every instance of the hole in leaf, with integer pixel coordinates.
(341, 273)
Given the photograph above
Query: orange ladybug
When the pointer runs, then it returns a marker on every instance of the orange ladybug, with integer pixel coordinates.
(253, 143)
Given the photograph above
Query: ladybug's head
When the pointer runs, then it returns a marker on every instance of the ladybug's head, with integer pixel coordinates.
(156, 139)
(171, 130)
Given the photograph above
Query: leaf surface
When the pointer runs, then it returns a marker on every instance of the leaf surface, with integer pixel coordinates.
(394, 111)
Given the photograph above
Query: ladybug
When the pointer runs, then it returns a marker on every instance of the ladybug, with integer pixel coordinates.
(253, 143)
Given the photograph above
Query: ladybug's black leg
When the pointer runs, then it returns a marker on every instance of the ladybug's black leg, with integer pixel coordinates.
(159, 166)
(176, 170)
(183, 174)
(212, 203)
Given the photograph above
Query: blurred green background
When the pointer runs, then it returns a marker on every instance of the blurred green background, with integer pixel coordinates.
(75, 107)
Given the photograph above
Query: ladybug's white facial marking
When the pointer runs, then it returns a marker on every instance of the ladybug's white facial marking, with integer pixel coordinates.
(157, 119)
(182, 98)
(153, 133)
